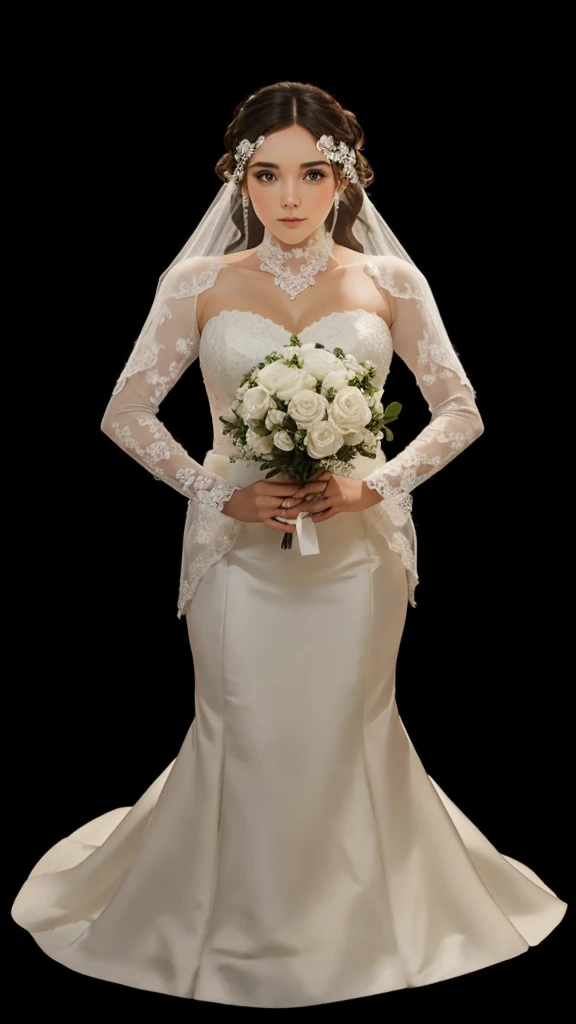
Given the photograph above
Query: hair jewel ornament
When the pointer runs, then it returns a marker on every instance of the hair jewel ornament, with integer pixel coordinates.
(242, 154)
(339, 153)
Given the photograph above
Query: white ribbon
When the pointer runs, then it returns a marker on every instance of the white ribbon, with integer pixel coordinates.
(307, 536)
(305, 531)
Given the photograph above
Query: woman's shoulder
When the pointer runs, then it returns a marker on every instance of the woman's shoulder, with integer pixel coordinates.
(394, 274)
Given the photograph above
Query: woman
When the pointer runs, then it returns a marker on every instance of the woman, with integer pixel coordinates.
(295, 852)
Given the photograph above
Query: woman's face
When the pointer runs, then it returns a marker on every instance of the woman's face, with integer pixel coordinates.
(291, 185)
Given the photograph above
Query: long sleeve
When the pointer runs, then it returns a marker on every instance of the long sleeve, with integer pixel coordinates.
(167, 345)
(420, 339)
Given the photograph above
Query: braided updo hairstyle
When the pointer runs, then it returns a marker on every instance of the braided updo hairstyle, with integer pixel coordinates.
(280, 106)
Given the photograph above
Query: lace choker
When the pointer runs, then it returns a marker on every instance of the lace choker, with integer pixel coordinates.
(315, 255)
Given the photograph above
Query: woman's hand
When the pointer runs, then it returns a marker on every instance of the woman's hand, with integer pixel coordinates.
(340, 494)
(260, 501)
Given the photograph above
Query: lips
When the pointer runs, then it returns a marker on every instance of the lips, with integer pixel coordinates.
(292, 220)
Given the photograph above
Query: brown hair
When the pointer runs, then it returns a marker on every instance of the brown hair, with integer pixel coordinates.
(280, 106)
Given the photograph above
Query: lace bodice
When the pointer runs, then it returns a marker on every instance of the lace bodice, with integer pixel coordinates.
(233, 341)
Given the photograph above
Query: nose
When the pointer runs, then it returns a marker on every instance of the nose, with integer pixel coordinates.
(290, 200)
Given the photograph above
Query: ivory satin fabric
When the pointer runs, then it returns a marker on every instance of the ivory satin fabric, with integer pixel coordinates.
(295, 852)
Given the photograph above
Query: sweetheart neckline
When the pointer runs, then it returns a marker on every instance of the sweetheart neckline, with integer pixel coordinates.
(315, 323)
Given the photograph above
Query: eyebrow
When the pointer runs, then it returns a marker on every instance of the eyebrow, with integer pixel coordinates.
(276, 167)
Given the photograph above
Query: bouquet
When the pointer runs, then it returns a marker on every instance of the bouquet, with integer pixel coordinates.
(306, 408)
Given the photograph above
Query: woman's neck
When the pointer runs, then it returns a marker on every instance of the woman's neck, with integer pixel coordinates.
(318, 240)
(295, 268)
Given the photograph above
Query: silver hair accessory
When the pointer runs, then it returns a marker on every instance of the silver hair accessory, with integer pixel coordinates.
(242, 154)
(245, 208)
(339, 153)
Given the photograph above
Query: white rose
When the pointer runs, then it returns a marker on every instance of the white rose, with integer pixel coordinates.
(284, 381)
(323, 440)
(261, 445)
(272, 374)
(294, 381)
(319, 362)
(306, 408)
(256, 404)
(349, 410)
(243, 389)
(355, 437)
(274, 418)
(283, 440)
(309, 381)
(335, 379)
(378, 409)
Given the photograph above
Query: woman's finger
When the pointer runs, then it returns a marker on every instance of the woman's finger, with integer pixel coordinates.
(311, 487)
(271, 501)
(279, 526)
(319, 504)
(317, 488)
(319, 517)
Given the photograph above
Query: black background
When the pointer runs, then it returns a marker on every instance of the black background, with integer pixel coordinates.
(122, 134)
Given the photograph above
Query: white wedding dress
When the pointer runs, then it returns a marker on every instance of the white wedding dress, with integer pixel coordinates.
(295, 852)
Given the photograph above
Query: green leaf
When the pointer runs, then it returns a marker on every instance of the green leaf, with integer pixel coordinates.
(393, 410)
(388, 433)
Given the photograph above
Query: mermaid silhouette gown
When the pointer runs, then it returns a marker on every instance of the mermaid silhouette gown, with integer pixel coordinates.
(295, 852)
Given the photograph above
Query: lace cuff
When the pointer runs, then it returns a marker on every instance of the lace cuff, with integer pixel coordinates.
(397, 502)
(209, 490)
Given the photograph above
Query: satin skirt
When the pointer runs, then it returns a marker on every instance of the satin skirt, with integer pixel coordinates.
(295, 852)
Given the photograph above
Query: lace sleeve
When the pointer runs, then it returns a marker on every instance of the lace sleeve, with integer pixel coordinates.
(168, 343)
(420, 339)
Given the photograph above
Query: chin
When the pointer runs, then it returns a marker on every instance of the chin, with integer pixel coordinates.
(294, 235)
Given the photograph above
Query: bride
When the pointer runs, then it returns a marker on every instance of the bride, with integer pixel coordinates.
(295, 852)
